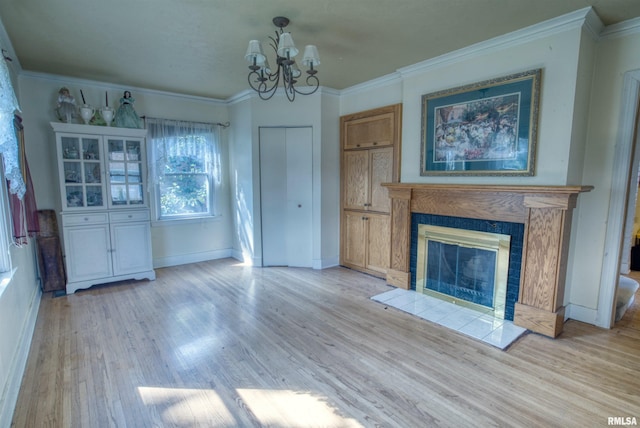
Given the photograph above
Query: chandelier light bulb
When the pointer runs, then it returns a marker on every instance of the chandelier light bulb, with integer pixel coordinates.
(255, 53)
(286, 47)
(311, 58)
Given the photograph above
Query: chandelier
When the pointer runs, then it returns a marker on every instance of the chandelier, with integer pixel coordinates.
(265, 81)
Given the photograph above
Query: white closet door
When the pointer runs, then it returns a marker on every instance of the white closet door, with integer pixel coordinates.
(286, 196)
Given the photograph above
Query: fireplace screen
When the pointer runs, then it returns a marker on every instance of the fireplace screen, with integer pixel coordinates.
(462, 272)
(464, 267)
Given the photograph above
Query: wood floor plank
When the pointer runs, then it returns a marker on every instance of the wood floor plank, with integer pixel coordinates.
(225, 345)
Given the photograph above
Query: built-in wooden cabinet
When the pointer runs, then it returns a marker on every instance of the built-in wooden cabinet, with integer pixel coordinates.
(364, 171)
(374, 128)
(106, 224)
(370, 143)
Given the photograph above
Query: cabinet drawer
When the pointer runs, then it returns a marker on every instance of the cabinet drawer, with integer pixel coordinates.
(81, 219)
(123, 216)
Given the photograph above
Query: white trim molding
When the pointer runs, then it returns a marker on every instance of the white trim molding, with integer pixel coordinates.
(580, 313)
(184, 259)
(618, 200)
(552, 26)
(625, 28)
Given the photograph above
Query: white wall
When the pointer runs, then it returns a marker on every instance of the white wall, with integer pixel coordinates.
(330, 182)
(381, 92)
(19, 303)
(555, 54)
(241, 161)
(208, 238)
(320, 112)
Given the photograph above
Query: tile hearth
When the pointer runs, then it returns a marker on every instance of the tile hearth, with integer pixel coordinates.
(494, 331)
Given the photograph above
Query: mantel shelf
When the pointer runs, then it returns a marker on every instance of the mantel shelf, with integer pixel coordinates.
(491, 188)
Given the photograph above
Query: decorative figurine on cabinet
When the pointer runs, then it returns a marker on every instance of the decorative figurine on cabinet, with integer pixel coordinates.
(66, 108)
(126, 116)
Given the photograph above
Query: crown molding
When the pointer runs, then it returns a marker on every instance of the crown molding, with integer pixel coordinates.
(377, 83)
(74, 81)
(245, 95)
(248, 94)
(324, 90)
(593, 24)
(552, 26)
(625, 28)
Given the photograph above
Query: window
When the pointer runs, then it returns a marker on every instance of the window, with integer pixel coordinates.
(5, 229)
(10, 161)
(185, 168)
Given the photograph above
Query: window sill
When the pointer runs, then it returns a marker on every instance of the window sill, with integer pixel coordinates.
(181, 221)
(5, 279)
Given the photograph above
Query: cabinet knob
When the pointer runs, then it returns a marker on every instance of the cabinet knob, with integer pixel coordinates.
(86, 219)
(375, 143)
(130, 216)
(357, 145)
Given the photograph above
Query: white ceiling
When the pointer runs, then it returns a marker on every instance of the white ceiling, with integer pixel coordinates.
(197, 47)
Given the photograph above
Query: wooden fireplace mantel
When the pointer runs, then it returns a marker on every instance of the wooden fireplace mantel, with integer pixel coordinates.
(546, 214)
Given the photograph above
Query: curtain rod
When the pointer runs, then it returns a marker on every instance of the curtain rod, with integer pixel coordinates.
(224, 125)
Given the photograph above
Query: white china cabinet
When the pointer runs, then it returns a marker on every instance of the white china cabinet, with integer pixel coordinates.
(105, 216)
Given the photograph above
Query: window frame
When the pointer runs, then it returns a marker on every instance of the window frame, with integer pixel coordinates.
(155, 184)
(6, 231)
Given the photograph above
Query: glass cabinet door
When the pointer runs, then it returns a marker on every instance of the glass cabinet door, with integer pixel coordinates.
(125, 172)
(81, 172)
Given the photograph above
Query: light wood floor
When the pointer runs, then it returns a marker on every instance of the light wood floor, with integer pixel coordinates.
(217, 344)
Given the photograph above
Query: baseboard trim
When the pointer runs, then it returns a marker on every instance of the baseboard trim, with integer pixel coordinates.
(19, 363)
(184, 259)
(326, 263)
(580, 313)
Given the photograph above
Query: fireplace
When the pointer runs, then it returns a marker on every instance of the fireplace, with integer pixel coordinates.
(464, 267)
(543, 212)
(503, 238)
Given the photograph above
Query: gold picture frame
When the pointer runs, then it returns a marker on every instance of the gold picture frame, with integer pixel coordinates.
(486, 128)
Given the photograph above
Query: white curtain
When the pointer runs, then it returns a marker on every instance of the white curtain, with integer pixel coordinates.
(171, 138)
(8, 139)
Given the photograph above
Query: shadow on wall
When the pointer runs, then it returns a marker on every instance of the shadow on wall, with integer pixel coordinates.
(244, 224)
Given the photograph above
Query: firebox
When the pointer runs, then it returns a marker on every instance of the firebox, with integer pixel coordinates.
(465, 267)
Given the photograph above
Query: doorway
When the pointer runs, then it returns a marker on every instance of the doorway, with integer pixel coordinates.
(623, 165)
(286, 196)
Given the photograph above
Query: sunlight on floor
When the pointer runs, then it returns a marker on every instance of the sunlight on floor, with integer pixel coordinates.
(292, 409)
(188, 407)
(278, 408)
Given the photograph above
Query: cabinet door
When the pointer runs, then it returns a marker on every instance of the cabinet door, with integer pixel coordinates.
(378, 242)
(126, 172)
(372, 131)
(381, 171)
(131, 243)
(81, 175)
(355, 178)
(353, 238)
(87, 252)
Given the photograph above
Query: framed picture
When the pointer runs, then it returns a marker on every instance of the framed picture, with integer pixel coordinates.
(487, 128)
